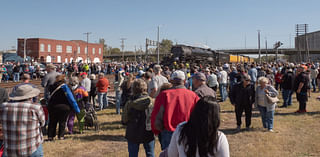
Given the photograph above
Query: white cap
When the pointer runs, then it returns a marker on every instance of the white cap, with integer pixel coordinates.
(178, 75)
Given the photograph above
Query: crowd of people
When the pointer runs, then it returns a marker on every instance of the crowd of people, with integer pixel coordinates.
(177, 103)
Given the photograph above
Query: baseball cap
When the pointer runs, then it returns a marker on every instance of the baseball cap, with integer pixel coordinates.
(178, 75)
(84, 73)
(199, 76)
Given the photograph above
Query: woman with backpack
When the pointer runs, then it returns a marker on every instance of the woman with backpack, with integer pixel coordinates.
(136, 115)
(82, 97)
(60, 104)
(200, 136)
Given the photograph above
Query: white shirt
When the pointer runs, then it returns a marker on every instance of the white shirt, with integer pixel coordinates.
(223, 76)
(86, 83)
(156, 83)
(177, 150)
(212, 80)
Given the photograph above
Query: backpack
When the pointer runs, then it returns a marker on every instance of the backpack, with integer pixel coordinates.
(90, 118)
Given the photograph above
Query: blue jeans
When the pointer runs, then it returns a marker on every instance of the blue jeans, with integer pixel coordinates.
(223, 91)
(37, 153)
(266, 117)
(133, 149)
(118, 101)
(314, 85)
(287, 97)
(103, 100)
(165, 138)
(16, 77)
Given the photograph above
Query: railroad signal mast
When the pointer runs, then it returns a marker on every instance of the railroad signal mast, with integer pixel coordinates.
(276, 46)
(150, 43)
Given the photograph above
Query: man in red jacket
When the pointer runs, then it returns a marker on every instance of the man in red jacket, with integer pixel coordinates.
(102, 89)
(172, 107)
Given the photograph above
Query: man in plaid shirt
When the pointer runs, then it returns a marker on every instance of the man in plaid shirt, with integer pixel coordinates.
(21, 123)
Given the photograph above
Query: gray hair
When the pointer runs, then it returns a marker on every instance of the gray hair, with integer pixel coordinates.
(139, 86)
(92, 76)
(74, 81)
(101, 74)
(263, 80)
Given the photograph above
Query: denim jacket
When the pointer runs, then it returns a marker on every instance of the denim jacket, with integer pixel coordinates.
(272, 92)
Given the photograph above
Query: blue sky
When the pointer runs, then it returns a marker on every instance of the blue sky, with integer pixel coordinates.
(219, 24)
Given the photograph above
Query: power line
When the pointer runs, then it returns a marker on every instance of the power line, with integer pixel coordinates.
(122, 47)
(87, 33)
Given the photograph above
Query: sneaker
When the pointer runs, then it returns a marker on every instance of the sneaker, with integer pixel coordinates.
(298, 111)
(270, 130)
(283, 106)
(238, 128)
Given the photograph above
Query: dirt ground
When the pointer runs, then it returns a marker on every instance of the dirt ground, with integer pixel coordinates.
(295, 135)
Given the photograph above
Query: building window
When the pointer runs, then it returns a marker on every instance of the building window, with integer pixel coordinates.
(79, 49)
(59, 59)
(85, 50)
(93, 50)
(49, 48)
(59, 48)
(99, 51)
(69, 49)
(41, 47)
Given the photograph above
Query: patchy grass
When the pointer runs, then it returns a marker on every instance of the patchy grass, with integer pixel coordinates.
(295, 135)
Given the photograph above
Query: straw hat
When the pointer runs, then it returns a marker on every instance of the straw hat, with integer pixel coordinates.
(24, 92)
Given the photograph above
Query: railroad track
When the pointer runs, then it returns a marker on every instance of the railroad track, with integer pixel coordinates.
(9, 85)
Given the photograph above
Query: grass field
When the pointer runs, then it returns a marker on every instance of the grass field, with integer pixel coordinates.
(296, 135)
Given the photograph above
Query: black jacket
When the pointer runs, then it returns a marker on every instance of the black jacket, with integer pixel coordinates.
(58, 100)
(93, 90)
(287, 81)
(242, 95)
(136, 118)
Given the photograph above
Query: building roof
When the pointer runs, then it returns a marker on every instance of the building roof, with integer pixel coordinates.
(78, 41)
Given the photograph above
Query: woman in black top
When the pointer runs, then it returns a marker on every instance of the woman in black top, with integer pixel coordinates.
(58, 108)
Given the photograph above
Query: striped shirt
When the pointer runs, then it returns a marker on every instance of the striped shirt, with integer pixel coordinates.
(21, 124)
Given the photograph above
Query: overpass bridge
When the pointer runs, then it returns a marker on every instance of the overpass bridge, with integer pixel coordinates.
(291, 52)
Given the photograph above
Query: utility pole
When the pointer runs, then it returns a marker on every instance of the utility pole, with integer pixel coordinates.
(259, 46)
(158, 43)
(87, 33)
(267, 50)
(306, 46)
(24, 49)
(245, 41)
(122, 47)
(135, 53)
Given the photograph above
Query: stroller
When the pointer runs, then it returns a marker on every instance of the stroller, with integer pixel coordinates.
(91, 118)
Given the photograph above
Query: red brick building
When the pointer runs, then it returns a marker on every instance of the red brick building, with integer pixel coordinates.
(60, 51)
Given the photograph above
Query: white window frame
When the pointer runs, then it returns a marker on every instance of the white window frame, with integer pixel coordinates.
(49, 48)
(79, 49)
(99, 51)
(93, 51)
(69, 49)
(85, 50)
(42, 47)
(59, 48)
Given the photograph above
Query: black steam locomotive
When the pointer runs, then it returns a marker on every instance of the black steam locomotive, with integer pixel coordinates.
(197, 55)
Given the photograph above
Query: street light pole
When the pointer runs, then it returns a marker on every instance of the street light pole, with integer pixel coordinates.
(259, 46)
(24, 49)
(158, 44)
(87, 45)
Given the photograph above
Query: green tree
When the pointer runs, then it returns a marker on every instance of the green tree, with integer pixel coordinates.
(115, 51)
(105, 47)
(165, 46)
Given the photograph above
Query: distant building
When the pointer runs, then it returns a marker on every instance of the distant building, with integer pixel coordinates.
(60, 51)
(309, 42)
